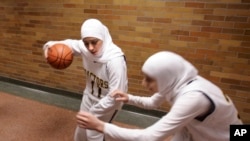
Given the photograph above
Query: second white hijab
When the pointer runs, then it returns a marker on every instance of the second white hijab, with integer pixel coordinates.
(171, 72)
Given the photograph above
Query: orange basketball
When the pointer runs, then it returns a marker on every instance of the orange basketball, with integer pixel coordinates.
(60, 56)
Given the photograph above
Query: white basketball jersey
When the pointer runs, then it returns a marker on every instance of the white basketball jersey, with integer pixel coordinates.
(215, 125)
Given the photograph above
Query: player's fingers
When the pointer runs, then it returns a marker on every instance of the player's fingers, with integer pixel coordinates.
(82, 121)
(81, 117)
(119, 99)
(46, 53)
(47, 46)
(83, 114)
(116, 93)
(122, 99)
(83, 124)
(120, 94)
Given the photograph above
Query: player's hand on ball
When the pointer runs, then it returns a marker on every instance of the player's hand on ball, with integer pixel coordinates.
(46, 53)
(120, 96)
(45, 48)
(88, 121)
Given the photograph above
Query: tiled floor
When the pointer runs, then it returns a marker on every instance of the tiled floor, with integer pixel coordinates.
(33, 115)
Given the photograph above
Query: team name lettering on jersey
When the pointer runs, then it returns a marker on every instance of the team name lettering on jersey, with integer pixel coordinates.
(96, 82)
(99, 82)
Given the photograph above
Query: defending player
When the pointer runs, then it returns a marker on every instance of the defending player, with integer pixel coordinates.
(199, 109)
(106, 71)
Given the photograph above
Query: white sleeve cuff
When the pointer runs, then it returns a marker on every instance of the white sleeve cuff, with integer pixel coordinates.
(130, 99)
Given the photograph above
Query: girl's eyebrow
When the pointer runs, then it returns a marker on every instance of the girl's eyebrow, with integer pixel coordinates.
(94, 39)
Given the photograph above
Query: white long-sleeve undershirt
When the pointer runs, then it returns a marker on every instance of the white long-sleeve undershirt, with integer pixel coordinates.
(152, 102)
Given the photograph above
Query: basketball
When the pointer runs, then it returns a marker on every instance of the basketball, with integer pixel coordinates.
(60, 56)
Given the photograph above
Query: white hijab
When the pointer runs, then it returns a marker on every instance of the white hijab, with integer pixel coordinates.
(94, 28)
(171, 71)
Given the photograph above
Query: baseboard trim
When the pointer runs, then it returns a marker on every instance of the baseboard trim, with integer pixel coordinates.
(155, 113)
(40, 87)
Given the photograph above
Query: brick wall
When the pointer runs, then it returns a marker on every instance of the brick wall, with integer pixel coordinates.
(214, 35)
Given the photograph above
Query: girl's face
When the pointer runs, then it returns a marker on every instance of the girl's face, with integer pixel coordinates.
(150, 83)
(93, 44)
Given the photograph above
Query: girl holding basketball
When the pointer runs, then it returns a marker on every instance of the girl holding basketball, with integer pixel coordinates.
(106, 71)
(199, 110)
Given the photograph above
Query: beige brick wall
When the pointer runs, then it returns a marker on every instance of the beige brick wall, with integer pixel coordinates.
(214, 35)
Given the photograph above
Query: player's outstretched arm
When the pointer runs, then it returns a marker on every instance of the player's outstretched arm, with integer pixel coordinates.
(182, 112)
(144, 102)
(89, 121)
(120, 96)
(75, 45)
